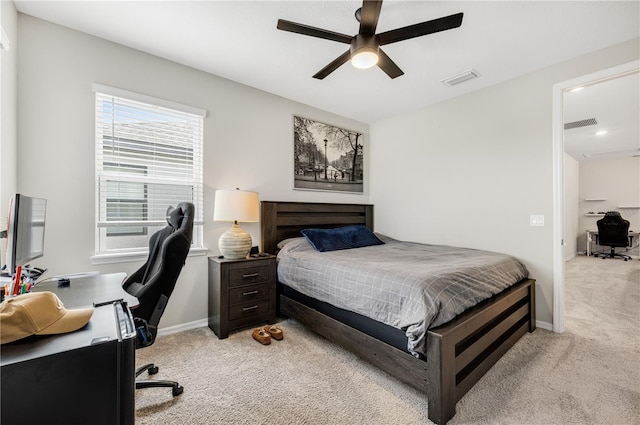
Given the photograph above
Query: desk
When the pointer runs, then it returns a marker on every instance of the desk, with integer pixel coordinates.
(590, 239)
(85, 291)
(81, 377)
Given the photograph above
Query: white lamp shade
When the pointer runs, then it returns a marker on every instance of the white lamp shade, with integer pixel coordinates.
(236, 205)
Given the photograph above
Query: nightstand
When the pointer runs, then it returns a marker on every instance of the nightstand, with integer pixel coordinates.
(242, 293)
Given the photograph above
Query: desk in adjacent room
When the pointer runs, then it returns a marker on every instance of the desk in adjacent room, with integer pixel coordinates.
(81, 377)
(592, 233)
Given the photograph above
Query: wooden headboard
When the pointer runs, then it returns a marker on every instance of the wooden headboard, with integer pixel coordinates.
(282, 220)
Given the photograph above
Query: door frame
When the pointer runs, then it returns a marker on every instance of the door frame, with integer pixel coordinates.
(558, 176)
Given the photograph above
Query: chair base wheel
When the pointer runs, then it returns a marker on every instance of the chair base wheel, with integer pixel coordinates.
(605, 255)
(153, 370)
(177, 390)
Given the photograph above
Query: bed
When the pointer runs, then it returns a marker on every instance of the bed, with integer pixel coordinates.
(458, 352)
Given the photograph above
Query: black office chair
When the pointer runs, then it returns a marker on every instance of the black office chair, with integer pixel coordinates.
(613, 231)
(153, 283)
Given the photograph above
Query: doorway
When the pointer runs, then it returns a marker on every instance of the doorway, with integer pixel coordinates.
(559, 236)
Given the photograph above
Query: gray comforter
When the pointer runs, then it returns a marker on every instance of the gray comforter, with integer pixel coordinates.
(406, 285)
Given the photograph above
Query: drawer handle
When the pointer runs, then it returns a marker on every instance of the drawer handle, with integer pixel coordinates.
(246, 276)
(253, 307)
(244, 294)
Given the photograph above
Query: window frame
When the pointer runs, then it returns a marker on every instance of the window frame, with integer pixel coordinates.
(104, 254)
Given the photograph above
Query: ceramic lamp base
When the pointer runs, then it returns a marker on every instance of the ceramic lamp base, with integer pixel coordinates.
(235, 243)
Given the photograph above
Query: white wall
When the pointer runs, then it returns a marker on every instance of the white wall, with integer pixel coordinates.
(470, 171)
(571, 202)
(618, 182)
(8, 101)
(248, 143)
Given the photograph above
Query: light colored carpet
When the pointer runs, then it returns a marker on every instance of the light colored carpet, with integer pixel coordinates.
(588, 375)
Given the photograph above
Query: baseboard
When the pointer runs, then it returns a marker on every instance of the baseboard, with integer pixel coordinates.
(544, 325)
(183, 327)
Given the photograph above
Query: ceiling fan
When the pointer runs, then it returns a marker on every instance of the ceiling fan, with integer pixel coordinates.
(365, 50)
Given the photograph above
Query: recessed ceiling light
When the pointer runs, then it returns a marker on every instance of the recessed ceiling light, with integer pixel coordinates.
(601, 132)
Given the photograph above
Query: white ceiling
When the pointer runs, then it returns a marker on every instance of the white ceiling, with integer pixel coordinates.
(238, 40)
(615, 104)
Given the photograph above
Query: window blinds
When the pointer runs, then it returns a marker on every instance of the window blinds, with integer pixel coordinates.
(148, 157)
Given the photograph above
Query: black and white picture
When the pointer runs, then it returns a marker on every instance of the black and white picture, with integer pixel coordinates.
(327, 157)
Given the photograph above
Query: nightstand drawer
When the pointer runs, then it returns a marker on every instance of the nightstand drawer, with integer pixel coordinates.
(248, 275)
(248, 293)
(248, 309)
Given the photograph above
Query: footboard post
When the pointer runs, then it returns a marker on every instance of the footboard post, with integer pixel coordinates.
(442, 377)
(532, 306)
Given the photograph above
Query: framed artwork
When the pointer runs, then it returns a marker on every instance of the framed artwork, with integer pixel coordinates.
(326, 157)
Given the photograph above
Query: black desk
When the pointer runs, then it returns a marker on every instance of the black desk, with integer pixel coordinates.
(82, 377)
(85, 291)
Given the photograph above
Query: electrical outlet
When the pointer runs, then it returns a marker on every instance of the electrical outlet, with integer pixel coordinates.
(536, 220)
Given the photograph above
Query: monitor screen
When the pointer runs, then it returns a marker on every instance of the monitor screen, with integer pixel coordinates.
(25, 232)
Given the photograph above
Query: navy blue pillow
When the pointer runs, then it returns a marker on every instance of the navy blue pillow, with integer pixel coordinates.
(347, 237)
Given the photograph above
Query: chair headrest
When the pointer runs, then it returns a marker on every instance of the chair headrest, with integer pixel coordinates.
(174, 217)
(612, 214)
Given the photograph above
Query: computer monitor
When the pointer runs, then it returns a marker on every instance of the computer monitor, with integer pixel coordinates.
(25, 231)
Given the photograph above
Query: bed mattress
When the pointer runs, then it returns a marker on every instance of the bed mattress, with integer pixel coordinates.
(406, 285)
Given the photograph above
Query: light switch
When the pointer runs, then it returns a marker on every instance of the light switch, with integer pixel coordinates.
(536, 220)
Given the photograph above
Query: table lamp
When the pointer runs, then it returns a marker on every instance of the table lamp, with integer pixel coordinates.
(235, 205)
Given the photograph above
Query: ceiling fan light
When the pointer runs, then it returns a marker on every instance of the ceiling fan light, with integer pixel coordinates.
(364, 58)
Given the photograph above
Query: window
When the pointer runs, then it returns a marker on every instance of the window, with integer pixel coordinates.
(148, 157)
(125, 201)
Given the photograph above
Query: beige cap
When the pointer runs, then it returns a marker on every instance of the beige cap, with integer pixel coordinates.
(38, 313)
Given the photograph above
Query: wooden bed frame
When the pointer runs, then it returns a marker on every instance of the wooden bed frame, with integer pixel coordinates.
(459, 352)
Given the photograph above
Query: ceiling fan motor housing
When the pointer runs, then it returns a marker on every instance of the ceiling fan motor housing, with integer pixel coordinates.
(364, 43)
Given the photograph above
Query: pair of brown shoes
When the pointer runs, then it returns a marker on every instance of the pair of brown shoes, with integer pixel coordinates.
(264, 335)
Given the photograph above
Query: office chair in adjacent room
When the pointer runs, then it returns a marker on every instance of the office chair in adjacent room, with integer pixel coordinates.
(613, 231)
(153, 283)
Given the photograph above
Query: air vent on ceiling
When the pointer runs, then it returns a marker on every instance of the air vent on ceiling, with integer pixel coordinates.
(581, 123)
(460, 77)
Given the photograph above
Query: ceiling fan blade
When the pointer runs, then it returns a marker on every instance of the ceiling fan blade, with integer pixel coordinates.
(424, 28)
(285, 25)
(387, 65)
(369, 15)
(337, 62)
